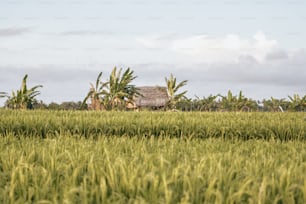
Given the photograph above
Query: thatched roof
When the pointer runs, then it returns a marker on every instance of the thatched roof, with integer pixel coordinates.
(152, 96)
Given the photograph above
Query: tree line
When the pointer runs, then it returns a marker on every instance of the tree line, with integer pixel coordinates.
(118, 93)
(230, 102)
(115, 93)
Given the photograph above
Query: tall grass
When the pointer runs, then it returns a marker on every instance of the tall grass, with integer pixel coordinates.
(152, 157)
(150, 170)
(280, 126)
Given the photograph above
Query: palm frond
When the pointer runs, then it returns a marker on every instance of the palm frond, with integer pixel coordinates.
(35, 87)
(89, 94)
(172, 89)
(180, 85)
(98, 81)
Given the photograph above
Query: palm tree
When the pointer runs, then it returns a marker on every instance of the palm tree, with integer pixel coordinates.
(96, 94)
(245, 104)
(186, 104)
(206, 103)
(172, 89)
(114, 93)
(250, 105)
(297, 103)
(119, 90)
(237, 103)
(24, 98)
(275, 105)
(228, 102)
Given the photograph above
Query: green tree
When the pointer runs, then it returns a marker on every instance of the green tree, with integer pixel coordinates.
(24, 98)
(114, 93)
(54, 106)
(275, 105)
(96, 94)
(120, 90)
(236, 103)
(172, 89)
(228, 102)
(244, 104)
(185, 105)
(210, 103)
(206, 103)
(70, 105)
(40, 105)
(297, 103)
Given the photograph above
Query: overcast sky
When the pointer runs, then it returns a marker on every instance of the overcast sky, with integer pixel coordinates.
(256, 46)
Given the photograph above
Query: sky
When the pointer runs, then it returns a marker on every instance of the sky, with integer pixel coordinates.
(258, 47)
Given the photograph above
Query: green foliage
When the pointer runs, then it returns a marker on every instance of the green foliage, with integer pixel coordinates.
(297, 103)
(234, 103)
(113, 94)
(228, 125)
(24, 98)
(96, 94)
(172, 89)
(120, 89)
(152, 157)
(72, 169)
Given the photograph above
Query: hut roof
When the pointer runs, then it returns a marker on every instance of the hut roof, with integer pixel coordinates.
(152, 96)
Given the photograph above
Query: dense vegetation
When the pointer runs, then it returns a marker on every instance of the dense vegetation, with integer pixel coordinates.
(281, 126)
(118, 93)
(152, 157)
(212, 103)
(24, 98)
(150, 170)
(239, 102)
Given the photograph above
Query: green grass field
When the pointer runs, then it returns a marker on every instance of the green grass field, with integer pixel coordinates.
(159, 157)
(231, 125)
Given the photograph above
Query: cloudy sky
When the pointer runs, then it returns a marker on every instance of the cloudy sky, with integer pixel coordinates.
(257, 46)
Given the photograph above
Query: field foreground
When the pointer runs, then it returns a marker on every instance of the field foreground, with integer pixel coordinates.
(123, 170)
(76, 157)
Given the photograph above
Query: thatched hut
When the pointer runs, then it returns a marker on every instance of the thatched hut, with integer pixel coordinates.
(154, 97)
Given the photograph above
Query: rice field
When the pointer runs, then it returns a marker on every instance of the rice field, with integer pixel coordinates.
(228, 125)
(152, 157)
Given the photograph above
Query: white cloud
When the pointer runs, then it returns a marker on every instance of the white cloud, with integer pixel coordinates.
(206, 49)
(257, 65)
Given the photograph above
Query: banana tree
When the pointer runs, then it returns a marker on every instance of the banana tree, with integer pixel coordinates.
(208, 104)
(245, 104)
(228, 101)
(275, 105)
(96, 94)
(297, 103)
(172, 89)
(120, 90)
(23, 98)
